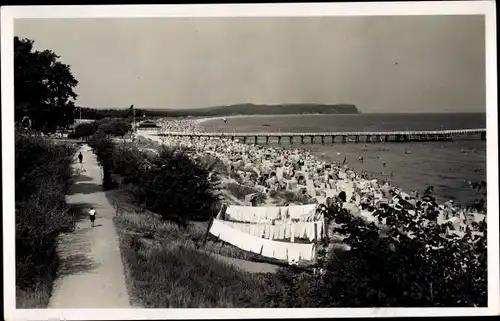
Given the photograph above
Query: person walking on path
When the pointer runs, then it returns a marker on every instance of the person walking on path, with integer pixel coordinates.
(80, 157)
(97, 279)
(92, 213)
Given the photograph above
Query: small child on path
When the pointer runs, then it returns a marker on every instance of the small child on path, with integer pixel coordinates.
(92, 213)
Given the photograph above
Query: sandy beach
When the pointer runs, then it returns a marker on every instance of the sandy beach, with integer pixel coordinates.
(270, 171)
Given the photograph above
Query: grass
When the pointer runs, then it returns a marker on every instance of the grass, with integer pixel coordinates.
(166, 266)
(176, 275)
(36, 298)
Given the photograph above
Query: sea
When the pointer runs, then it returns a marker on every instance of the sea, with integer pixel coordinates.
(449, 166)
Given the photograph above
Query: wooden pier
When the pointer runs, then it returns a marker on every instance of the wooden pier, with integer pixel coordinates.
(342, 137)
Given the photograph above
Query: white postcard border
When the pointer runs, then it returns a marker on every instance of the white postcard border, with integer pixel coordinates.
(486, 8)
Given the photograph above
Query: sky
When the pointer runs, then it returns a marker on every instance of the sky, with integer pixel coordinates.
(380, 64)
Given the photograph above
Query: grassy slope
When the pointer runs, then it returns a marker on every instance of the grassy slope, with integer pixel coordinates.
(165, 268)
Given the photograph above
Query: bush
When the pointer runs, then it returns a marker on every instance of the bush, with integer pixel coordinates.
(43, 172)
(103, 148)
(83, 130)
(414, 266)
(175, 187)
(113, 126)
(170, 183)
(127, 160)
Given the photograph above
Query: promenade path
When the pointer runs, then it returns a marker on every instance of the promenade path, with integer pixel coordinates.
(91, 273)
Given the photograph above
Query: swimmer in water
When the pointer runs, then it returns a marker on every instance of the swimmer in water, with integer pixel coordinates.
(384, 165)
(361, 159)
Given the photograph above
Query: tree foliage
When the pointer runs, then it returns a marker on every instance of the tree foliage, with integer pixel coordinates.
(169, 183)
(239, 109)
(43, 87)
(96, 114)
(413, 264)
(113, 126)
(83, 130)
(106, 126)
(43, 170)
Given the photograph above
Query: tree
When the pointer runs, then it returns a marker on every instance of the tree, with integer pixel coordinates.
(114, 126)
(84, 130)
(43, 87)
(413, 265)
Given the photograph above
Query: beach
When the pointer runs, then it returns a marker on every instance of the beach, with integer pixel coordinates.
(274, 171)
(448, 166)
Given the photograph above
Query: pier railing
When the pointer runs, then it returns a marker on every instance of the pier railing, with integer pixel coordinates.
(392, 136)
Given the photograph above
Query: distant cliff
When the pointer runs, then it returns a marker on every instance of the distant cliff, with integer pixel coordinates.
(252, 109)
(239, 109)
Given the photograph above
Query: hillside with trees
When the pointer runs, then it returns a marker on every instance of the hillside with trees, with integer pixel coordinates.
(239, 109)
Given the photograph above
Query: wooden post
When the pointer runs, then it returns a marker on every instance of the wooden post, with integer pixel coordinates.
(220, 214)
(315, 232)
(208, 230)
(292, 233)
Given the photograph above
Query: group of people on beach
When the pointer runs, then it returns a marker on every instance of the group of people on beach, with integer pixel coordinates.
(180, 125)
(269, 169)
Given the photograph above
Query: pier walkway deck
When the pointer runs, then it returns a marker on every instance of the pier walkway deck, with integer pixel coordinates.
(394, 136)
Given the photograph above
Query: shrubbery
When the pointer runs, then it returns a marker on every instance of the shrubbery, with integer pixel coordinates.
(43, 172)
(106, 126)
(414, 266)
(113, 126)
(83, 130)
(169, 183)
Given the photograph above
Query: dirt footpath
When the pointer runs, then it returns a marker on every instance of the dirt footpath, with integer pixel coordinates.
(91, 273)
